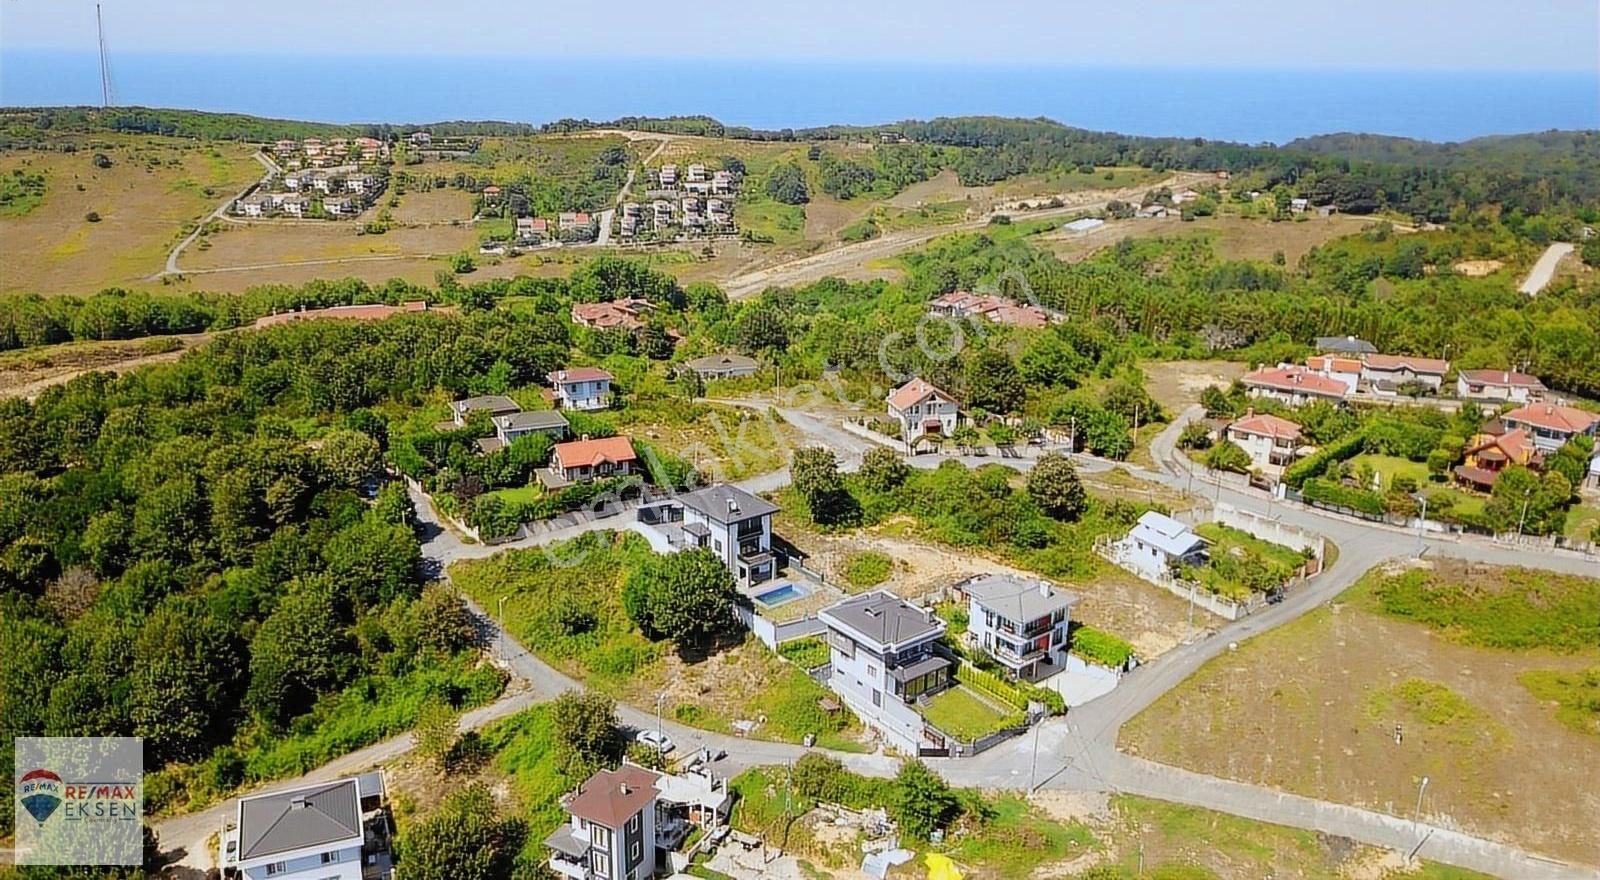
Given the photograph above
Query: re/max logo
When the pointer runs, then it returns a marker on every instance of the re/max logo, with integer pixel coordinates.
(98, 791)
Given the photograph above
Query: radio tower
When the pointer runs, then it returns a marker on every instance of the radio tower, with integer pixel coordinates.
(105, 64)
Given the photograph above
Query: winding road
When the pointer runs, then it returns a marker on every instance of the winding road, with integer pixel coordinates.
(1544, 269)
(1075, 752)
(221, 212)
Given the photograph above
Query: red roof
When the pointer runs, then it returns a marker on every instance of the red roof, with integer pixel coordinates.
(578, 374)
(1507, 378)
(914, 392)
(1267, 425)
(1552, 417)
(611, 797)
(608, 314)
(1297, 379)
(1406, 361)
(1515, 445)
(588, 453)
(1332, 363)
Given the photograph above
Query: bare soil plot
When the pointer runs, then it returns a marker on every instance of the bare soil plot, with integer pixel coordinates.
(942, 187)
(153, 188)
(826, 215)
(1153, 620)
(26, 373)
(1312, 707)
(1233, 238)
(433, 206)
(1177, 384)
(264, 244)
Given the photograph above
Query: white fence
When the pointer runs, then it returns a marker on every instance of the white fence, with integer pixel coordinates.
(1117, 553)
(1268, 529)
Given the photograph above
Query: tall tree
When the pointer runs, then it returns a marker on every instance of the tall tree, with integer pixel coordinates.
(466, 838)
(1054, 485)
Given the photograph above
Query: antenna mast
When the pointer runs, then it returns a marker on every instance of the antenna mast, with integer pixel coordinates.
(105, 65)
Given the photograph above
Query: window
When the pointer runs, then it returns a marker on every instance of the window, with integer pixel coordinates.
(877, 698)
(600, 863)
(329, 858)
(872, 671)
(275, 868)
(635, 822)
(633, 853)
(599, 835)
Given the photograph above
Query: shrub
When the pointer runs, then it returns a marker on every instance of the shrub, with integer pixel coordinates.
(807, 653)
(92, 217)
(1360, 500)
(867, 568)
(1098, 646)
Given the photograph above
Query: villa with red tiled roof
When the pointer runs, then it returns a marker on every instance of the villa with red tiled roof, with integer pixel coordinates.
(924, 411)
(1338, 368)
(1551, 424)
(1272, 442)
(965, 304)
(1490, 453)
(624, 313)
(1292, 385)
(1506, 385)
(580, 461)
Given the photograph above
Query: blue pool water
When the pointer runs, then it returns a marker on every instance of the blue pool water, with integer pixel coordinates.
(779, 595)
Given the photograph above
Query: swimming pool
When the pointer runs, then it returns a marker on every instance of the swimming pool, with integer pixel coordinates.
(786, 592)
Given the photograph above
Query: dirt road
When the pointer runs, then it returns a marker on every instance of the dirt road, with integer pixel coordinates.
(31, 386)
(816, 266)
(1545, 268)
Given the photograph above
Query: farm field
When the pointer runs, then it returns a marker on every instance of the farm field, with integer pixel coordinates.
(1312, 708)
(259, 244)
(153, 188)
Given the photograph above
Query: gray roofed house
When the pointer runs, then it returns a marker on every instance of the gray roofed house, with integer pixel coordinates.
(1021, 622)
(724, 503)
(511, 426)
(1345, 345)
(302, 818)
(1020, 599)
(493, 404)
(723, 366)
(882, 619)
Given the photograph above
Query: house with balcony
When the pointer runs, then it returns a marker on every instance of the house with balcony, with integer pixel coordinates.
(1499, 385)
(1021, 622)
(1273, 443)
(668, 177)
(631, 823)
(336, 830)
(585, 388)
(1345, 370)
(886, 656)
(1493, 450)
(1551, 424)
(925, 412)
(736, 526)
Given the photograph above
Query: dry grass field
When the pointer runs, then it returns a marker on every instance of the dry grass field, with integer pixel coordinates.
(154, 187)
(1312, 708)
(1233, 238)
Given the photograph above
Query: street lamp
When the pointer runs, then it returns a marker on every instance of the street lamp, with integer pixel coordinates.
(502, 624)
(1416, 818)
(1421, 522)
(1521, 520)
(660, 698)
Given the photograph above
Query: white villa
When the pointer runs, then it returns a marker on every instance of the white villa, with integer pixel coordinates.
(630, 823)
(1499, 385)
(586, 388)
(884, 657)
(923, 411)
(1157, 544)
(1273, 443)
(1020, 622)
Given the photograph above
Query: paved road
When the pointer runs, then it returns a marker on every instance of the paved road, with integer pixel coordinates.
(1075, 752)
(1545, 268)
(222, 209)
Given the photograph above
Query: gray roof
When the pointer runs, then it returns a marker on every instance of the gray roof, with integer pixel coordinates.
(722, 363)
(725, 503)
(493, 403)
(1019, 599)
(1345, 345)
(284, 821)
(930, 663)
(1166, 534)
(532, 420)
(882, 618)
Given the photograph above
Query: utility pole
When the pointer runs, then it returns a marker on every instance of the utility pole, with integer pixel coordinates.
(1416, 817)
(105, 66)
(1421, 522)
(1033, 770)
(1521, 520)
(502, 616)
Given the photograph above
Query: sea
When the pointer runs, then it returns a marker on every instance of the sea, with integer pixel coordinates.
(1247, 105)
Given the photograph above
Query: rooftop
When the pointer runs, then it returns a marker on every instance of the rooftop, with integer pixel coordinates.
(578, 374)
(1294, 379)
(1552, 417)
(1165, 534)
(1267, 425)
(1019, 599)
(915, 392)
(588, 453)
(1508, 378)
(719, 362)
(533, 420)
(882, 618)
(610, 798)
(494, 404)
(1345, 345)
(1406, 361)
(297, 818)
(727, 503)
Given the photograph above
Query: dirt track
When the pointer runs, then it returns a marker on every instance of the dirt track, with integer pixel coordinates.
(851, 256)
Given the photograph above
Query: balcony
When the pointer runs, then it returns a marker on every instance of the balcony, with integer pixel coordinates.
(565, 866)
(569, 854)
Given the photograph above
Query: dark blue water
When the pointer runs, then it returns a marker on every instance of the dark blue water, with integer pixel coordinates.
(1244, 105)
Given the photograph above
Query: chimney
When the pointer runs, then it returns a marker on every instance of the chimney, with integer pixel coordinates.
(1044, 588)
(623, 787)
(733, 506)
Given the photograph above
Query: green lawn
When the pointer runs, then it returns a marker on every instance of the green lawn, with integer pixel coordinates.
(1241, 563)
(520, 494)
(963, 714)
(1582, 521)
(1224, 538)
(1576, 695)
(867, 568)
(769, 218)
(1507, 608)
(1387, 467)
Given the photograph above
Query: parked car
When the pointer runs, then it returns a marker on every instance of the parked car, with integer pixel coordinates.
(656, 740)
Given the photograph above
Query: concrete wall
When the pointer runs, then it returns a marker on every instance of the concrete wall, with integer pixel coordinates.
(1268, 529)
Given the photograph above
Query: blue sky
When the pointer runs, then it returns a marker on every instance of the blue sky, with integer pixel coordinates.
(1472, 34)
